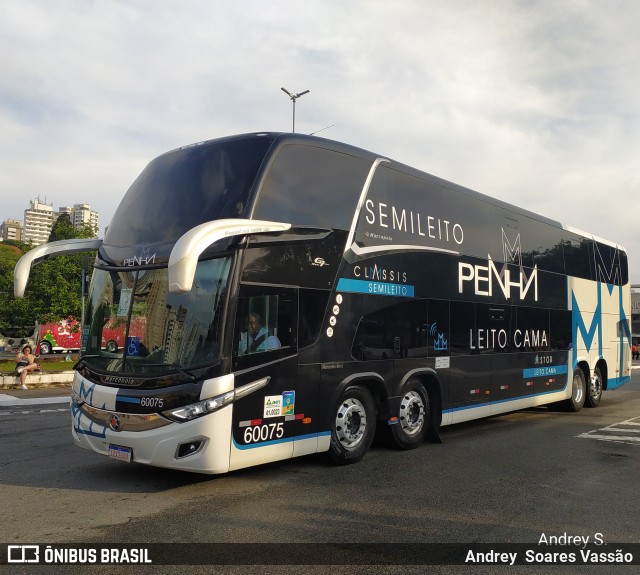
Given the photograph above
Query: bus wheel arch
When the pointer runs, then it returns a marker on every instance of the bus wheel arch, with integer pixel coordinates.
(596, 384)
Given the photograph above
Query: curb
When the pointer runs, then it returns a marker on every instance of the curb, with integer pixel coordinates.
(58, 379)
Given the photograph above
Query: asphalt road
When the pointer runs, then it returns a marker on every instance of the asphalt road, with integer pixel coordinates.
(512, 478)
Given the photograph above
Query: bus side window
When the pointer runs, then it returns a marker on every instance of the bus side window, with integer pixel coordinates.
(264, 326)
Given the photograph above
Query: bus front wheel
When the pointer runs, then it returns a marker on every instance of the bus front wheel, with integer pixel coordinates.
(413, 416)
(353, 427)
(578, 392)
(45, 348)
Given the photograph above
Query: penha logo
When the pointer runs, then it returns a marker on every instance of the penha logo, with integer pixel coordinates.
(142, 259)
(482, 278)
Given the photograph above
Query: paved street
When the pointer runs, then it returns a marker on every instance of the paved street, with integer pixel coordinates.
(506, 479)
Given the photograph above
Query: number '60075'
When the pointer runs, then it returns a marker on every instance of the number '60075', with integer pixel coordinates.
(263, 432)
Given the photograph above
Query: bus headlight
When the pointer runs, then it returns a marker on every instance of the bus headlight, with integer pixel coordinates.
(201, 408)
(206, 406)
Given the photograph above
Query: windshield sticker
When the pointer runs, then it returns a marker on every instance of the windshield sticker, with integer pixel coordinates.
(133, 345)
(125, 299)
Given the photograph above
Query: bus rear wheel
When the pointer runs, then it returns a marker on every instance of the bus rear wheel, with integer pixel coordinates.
(594, 391)
(353, 427)
(578, 392)
(112, 346)
(413, 416)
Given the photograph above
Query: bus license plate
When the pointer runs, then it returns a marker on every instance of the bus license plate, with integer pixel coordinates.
(120, 453)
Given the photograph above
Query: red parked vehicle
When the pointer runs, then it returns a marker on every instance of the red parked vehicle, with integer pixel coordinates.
(66, 334)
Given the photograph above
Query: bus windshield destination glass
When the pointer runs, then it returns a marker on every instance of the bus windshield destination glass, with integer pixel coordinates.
(266, 296)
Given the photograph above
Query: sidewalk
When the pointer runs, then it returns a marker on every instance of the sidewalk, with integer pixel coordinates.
(35, 396)
(42, 388)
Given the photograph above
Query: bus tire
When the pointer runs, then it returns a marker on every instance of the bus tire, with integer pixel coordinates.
(413, 416)
(45, 348)
(578, 392)
(112, 346)
(353, 427)
(594, 389)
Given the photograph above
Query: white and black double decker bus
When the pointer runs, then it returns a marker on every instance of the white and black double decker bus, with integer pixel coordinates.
(284, 295)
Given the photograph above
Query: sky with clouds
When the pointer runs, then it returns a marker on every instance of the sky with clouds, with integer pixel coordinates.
(535, 103)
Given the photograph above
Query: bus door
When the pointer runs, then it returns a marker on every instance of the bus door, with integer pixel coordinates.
(265, 421)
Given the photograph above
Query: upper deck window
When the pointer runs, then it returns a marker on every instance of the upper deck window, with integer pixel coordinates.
(312, 186)
(188, 187)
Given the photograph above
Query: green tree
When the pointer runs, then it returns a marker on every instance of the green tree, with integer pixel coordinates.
(12, 311)
(54, 288)
(62, 229)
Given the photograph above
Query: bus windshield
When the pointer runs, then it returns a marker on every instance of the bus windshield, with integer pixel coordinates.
(187, 187)
(134, 325)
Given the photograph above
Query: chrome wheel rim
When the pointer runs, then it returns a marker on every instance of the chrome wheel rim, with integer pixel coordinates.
(351, 422)
(577, 388)
(411, 413)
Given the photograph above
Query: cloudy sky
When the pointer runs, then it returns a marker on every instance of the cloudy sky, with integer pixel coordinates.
(535, 103)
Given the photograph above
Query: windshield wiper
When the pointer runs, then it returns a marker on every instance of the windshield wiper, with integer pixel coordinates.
(176, 367)
(80, 362)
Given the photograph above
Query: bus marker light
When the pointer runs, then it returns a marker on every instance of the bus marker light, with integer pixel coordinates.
(306, 420)
(256, 422)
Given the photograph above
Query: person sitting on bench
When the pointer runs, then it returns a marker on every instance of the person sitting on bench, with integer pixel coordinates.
(25, 362)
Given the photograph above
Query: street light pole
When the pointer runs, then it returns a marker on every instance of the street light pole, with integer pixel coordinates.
(294, 97)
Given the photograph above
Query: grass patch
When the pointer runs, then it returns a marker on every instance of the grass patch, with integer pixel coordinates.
(49, 366)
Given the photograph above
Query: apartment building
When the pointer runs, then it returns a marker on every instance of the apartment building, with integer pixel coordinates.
(11, 230)
(38, 221)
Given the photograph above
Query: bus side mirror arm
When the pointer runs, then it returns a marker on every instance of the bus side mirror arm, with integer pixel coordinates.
(63, 247)
(184, 255)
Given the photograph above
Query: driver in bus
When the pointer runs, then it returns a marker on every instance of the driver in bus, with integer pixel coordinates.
(257, 338)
